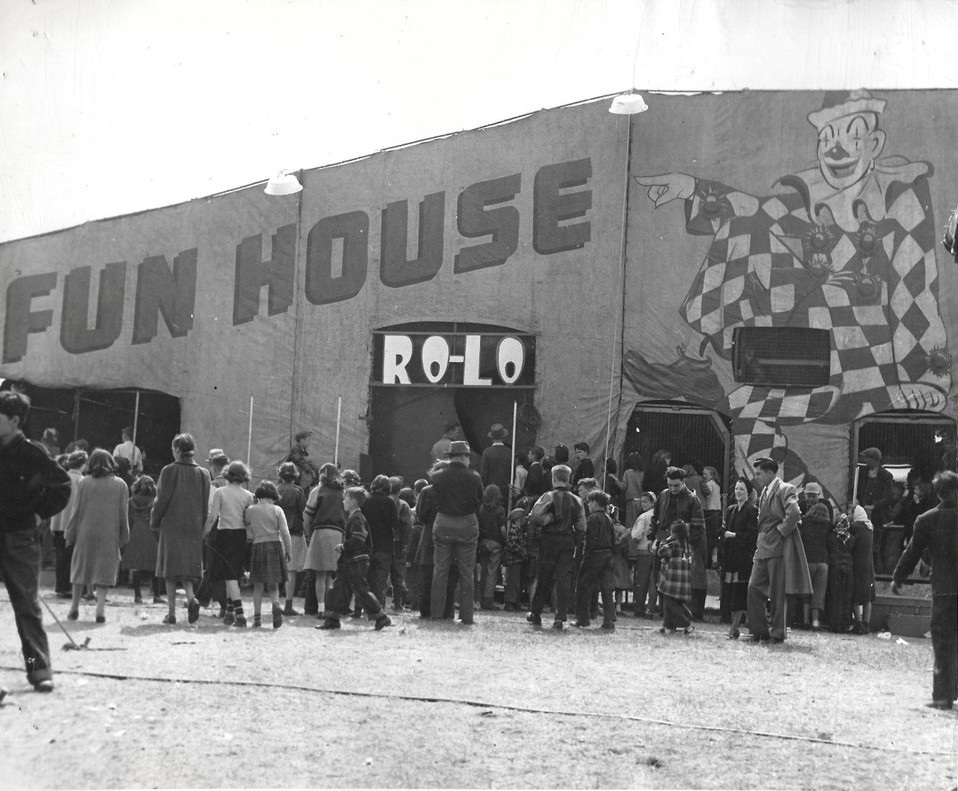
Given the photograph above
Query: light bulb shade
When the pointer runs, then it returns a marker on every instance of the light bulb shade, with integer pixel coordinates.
(628, 104)
(283, 183)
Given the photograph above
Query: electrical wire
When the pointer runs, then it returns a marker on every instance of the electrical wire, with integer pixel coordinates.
(500, 706)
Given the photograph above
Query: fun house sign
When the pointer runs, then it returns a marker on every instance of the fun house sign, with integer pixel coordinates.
(336, 268)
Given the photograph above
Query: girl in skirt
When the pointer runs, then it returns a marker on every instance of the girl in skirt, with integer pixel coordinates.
(267, 529)
(675, 579)
(139, 557)
(228, 550)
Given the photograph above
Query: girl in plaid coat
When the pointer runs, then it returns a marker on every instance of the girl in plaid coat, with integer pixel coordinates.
(675, 579)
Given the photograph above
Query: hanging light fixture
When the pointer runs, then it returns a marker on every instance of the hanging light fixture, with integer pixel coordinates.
(629, 103)
(283, 183)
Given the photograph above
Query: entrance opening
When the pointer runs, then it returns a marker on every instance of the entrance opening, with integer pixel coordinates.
(408, 419)
(914, 446)
(99, 416)
(694, 435)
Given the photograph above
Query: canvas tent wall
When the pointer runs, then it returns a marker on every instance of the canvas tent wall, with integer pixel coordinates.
(546, 228)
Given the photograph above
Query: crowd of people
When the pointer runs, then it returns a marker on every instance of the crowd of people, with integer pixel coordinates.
(546, 529)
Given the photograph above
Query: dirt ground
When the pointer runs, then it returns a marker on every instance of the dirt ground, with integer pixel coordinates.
(495, 705)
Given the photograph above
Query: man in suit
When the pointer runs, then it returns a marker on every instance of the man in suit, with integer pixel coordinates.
(778, 517)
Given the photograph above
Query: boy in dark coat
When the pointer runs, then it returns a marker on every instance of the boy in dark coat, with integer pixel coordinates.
(596, 569)
(353, 566)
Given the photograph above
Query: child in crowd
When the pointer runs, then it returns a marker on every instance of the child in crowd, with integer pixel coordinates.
(530, 566)
(139, 557)
(621, 565)
(410, 569)
(267, 529)
(353, 566)
(492, 523)
(514, 554)
(292, 499)
(838, 597)
(228, 551)
(596, 569)
(641, 546)
(675, 579)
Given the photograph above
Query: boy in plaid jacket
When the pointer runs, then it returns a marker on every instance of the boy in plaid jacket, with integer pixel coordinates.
(675, 579)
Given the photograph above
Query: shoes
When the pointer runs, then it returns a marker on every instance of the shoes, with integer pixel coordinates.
(46, 685)
(138, 599)
(382, 622)
(581, 624)
(193, 610)
(776, 640)
(689, 629)
(608, 626)
(169, 620)
(468, 622)
(330, 623)
(101, 619)
(229, 618)
(73, 615)
(558, 625)
(757, 638)
(288, 609)
(277, 616)
(159, 600)
(662, 630)
(816, 627)
(64, 595)
(734, 634)
(221, 613)
(357, 615)
(257, 621)
(239, 621)
(535, 620)
(942, 705)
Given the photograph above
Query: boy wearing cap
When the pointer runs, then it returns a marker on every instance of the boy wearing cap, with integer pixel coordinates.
(815, 527)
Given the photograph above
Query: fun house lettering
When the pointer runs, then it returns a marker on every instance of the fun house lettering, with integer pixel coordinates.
(336, 265)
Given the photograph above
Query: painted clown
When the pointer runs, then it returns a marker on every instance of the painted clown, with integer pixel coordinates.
(846, 246)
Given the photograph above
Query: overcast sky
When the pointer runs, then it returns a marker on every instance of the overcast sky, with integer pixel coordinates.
(114, 106)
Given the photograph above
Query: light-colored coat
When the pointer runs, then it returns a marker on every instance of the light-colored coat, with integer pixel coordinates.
(98, 528)
(778, 535)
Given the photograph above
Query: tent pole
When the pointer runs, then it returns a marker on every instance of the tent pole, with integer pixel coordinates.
(249, 433)
(339, 415)
(512, 465)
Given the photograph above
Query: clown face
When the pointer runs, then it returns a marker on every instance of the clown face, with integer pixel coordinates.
(847, 147)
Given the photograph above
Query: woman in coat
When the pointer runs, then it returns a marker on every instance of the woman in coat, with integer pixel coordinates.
(738, 549)
(98, 528)
(863, 581)
(179, 513)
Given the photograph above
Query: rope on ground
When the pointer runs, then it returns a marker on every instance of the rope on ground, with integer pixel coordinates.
(500, 706)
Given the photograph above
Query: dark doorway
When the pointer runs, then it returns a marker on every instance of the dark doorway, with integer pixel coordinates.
(693, 435)
(98, 416)
(408, 419)
(907, 439)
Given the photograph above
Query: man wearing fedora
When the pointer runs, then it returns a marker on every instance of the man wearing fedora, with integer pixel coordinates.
(496, 465)
(779, 565)
(455, 531)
